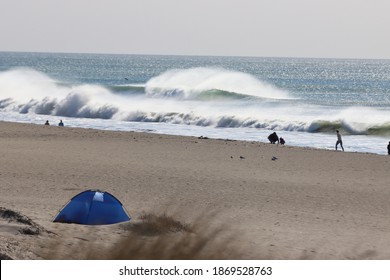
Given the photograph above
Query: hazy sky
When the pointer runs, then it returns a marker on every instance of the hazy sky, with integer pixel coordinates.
(277, 28)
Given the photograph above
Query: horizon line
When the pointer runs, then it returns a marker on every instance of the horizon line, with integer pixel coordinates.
(192, 55)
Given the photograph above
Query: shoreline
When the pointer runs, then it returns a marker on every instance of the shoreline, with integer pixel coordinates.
(259, 137)
(307, 203)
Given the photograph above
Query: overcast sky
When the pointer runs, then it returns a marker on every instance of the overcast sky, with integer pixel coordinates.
(266, 28)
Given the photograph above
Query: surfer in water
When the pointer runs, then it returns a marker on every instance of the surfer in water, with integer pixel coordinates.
(339, 140)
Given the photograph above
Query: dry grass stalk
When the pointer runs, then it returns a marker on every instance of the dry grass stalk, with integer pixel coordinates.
(160, 237)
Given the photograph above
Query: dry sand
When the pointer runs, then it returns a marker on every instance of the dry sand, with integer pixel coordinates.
(306, 204)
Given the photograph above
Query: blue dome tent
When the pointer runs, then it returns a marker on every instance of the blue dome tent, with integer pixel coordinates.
(93, 208)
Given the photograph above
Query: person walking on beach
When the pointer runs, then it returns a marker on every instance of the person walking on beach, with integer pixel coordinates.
(339, 140)
(388, 149)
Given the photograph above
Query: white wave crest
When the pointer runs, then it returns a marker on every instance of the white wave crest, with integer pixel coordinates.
(188, 83)
(28, 91)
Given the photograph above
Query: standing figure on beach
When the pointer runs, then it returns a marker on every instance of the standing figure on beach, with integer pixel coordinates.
(47, 122)
(339, 140)
(60, 123)
(273, 138)
(282, 142)
(388, 148)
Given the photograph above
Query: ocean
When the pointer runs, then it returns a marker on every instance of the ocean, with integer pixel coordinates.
(304, 100)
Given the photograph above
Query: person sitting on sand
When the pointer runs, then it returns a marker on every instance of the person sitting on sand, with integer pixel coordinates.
(388, 148)
(282, 142)
(60, 123)
(273, 138)
(47, 123)
(339, 140)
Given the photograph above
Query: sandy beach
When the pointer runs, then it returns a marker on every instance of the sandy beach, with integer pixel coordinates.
(305, 204)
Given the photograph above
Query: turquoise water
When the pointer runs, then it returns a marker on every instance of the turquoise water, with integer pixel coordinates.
(303, 100)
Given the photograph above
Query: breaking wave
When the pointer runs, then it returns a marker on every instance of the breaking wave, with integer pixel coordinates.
(198, 96)
(208, 82)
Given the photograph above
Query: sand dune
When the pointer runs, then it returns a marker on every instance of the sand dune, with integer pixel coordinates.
(306, 204)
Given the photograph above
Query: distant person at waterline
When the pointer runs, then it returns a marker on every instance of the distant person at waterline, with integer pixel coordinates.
(339, 140)
(47, 123)
(388, 148)
(60, 123)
